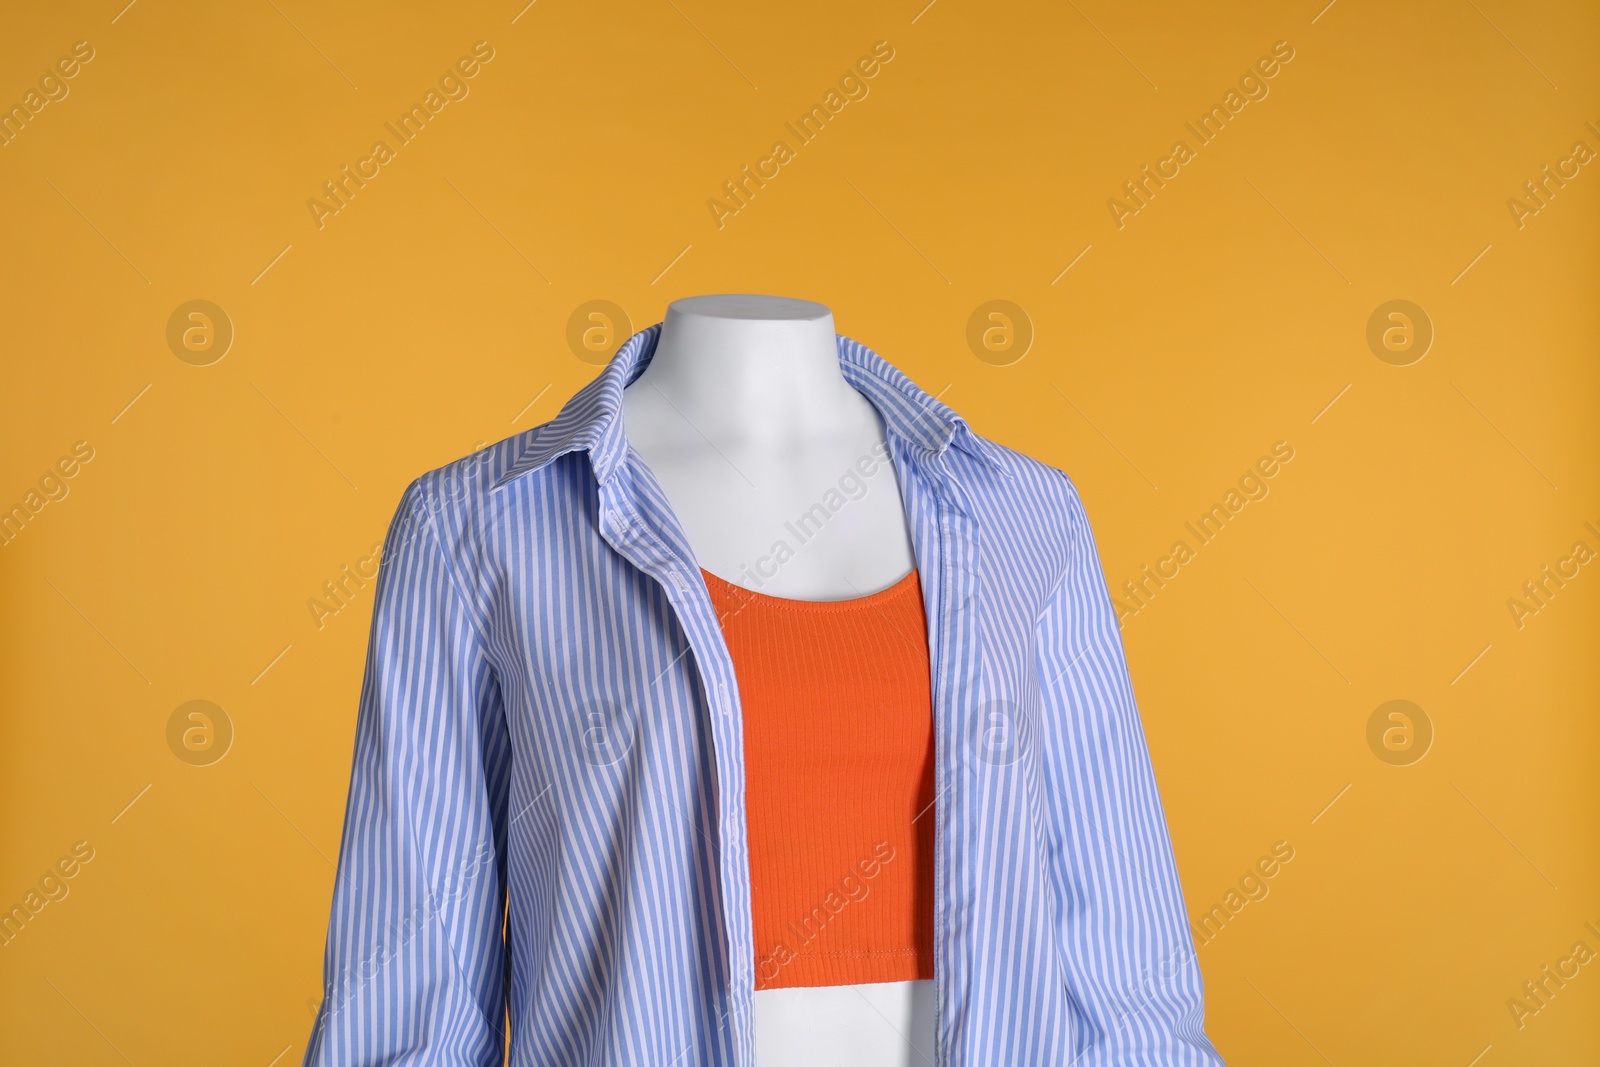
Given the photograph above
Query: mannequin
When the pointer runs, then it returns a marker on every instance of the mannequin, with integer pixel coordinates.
(746, 420)
(540, 628)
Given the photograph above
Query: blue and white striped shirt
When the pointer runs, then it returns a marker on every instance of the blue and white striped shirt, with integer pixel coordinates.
(550, 719)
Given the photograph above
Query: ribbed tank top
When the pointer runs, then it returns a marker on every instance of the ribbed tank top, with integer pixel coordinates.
(838, 747)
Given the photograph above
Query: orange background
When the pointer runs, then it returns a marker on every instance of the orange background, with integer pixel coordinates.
(431, 314)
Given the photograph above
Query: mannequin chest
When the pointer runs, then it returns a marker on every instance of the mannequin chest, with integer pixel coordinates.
(821, 520)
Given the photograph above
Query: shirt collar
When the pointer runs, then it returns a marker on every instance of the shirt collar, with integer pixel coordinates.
(592, 419)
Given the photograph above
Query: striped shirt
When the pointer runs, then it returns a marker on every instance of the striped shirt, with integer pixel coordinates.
(546, 813)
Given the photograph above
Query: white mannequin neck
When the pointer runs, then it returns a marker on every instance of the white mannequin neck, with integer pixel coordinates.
(751, 368)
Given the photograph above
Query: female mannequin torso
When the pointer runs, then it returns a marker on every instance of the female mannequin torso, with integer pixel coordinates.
(746, 420)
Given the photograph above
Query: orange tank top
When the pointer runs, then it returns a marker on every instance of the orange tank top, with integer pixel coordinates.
(838, 747)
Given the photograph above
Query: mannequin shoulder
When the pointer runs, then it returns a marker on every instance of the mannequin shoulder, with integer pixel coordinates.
(478, 471)
(454, 494)
(1014, 478)
(1020, 493)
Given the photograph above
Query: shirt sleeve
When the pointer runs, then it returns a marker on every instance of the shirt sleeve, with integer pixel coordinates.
(414, 971)
(1126, 947)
